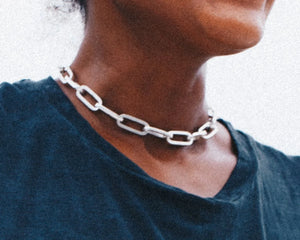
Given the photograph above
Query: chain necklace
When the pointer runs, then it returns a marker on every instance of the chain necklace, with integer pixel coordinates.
(206, 131)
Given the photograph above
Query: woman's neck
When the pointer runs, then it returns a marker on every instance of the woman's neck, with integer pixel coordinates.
(143, 72)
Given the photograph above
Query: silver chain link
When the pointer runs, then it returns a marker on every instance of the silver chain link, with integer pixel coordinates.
(206, 131)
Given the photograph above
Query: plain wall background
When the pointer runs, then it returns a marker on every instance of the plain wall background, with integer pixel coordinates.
(257, 90)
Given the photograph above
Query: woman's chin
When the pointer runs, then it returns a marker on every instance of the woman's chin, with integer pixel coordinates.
(238, 40)
(234, 33)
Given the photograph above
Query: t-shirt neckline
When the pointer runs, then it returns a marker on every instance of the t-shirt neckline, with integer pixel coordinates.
(233, 189)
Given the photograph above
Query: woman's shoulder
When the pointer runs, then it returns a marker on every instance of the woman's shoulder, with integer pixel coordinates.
(267, 158)
(23, 104)
(271, 171)
(273, 168)
(21, 95)
(245, 143)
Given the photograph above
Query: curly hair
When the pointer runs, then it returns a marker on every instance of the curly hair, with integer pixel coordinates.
(75, 4)
(82, 4)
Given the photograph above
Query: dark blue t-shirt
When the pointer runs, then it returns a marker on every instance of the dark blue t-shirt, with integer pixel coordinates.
(60, 180)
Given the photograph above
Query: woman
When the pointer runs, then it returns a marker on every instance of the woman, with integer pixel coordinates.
(134, 151)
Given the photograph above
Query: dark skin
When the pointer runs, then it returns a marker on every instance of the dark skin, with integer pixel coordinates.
(148, 59)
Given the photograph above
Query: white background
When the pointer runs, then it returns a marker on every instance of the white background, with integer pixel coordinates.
(257, 90)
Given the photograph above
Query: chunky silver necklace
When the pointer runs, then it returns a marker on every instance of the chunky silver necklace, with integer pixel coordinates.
(125, 121)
